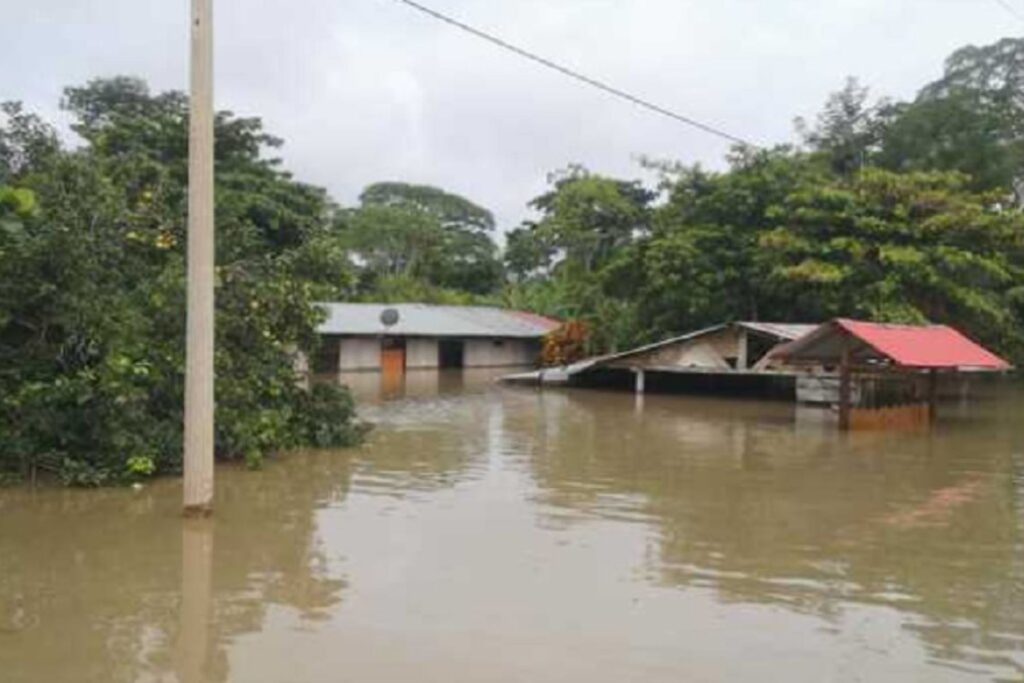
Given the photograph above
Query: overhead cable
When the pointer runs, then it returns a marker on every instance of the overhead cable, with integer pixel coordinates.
(600, 85)
(1011, 9)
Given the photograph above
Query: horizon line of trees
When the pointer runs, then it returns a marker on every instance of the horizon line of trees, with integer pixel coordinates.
(890, 211)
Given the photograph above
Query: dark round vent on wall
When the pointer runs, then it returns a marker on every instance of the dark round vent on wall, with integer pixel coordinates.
(389, 317)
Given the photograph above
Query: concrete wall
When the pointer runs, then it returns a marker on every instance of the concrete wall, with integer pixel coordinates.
(359, 353)
(482, 353)
(420, 353)
(363, 353)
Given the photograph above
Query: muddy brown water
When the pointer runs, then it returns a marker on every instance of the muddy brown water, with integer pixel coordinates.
(501, 534)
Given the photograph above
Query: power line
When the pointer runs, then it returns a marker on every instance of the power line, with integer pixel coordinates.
(576, 75)
(1011, 9)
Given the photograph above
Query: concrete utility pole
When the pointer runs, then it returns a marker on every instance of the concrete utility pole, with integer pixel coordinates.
(198, 456)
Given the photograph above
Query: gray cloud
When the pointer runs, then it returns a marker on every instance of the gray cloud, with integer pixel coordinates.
(364, 90)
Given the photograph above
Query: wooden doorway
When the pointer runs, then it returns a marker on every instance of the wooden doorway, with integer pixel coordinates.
(392, 356)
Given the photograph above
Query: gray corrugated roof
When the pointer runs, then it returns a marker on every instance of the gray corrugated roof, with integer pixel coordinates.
(428, 320)
(788, 331)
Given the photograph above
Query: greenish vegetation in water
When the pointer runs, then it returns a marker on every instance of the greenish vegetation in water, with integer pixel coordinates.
(892, 211)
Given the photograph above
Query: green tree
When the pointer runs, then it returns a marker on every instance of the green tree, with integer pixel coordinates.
(394, 241)
(912, 247)
(585, 219)
(576, 262)
(971, 120)
(700, 265)
(848, 130)
(92, 289)
(451, 236)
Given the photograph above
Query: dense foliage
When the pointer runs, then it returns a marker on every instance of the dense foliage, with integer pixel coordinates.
(420, 240)
(92, 290)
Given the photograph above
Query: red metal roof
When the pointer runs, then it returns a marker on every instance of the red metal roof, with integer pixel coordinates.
(930, 346)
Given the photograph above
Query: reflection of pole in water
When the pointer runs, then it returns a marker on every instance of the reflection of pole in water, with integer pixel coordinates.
(196, 599)
(639, 388)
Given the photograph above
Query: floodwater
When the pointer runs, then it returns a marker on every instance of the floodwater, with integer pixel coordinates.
(503, 534)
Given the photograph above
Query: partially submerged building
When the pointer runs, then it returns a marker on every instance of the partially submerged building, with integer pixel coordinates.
(729, 358)
(876, 375)
(896, 368)
(399, 337)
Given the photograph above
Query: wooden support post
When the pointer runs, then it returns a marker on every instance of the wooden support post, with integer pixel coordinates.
(933, 395)
(742, 350)
(844, 387)
(199, 401)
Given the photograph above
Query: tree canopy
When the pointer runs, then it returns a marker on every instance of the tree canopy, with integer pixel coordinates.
(417, 238)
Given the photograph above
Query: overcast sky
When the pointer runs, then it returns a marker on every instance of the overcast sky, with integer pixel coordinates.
(366, 90)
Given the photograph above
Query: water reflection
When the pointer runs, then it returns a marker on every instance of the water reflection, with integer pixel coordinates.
(113, 585)
(498, 534)
(196, 601)
(375, 387)
(744, 503)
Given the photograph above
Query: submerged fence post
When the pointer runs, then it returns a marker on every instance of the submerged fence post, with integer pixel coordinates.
(844, 386)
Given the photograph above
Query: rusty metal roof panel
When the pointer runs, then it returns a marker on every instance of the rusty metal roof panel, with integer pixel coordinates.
(428, 320)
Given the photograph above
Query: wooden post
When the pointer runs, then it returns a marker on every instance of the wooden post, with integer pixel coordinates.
(844, 387)
(199, 401)
(965, 389)
(933, 392)
(743, 350)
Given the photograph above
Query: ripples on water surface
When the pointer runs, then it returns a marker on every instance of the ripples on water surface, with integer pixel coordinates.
(488, 534)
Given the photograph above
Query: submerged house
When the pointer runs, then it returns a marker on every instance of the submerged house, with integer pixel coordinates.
(399, 337)
(728, 358)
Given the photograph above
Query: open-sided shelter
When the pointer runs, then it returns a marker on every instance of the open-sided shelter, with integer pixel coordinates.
(912, 355)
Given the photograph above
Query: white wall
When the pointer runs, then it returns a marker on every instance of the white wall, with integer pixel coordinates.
(359, 353)
(363, 353)
(482, 353)
(420, 353)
